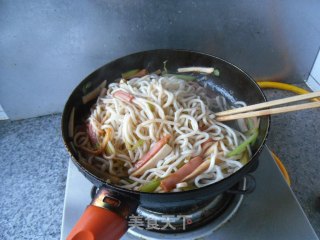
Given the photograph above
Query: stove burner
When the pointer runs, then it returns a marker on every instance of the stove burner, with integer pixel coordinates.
(187, 220)
(199, 222)
(193, 218)
(213, 213)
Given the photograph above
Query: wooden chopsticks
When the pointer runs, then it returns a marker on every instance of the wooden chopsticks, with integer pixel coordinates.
(249, 111)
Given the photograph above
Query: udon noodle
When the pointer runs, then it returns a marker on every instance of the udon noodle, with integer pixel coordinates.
(122, 134)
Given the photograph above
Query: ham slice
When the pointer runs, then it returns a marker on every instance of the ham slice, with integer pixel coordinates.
(207, 144)
(124, 96)
(163, 152)
(170, 182)
(156, 148)
(92, 135)
(200, 169)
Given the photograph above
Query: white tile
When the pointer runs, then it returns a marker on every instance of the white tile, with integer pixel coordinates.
(313, 84)
(315, 72)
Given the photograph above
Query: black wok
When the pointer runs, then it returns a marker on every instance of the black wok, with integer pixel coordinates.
(105, 217)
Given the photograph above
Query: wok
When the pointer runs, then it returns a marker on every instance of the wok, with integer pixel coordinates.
(105, 217)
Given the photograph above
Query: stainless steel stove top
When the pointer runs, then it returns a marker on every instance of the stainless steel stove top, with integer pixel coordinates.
(270, 212)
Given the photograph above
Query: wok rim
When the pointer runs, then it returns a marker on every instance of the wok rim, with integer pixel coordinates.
(84, 171)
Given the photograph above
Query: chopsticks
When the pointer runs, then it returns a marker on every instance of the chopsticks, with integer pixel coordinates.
(249, 111)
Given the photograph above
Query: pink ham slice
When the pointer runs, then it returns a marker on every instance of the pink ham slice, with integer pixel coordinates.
(156, 148)
(170, 182)
(124, 96)
(92, 135)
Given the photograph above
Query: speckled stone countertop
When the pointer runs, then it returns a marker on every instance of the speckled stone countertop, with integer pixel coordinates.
(33, 170)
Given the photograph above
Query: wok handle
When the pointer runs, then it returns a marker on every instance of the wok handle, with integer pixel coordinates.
(97, 223)
(105, 218)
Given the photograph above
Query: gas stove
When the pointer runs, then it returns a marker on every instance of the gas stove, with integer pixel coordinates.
(270, 212)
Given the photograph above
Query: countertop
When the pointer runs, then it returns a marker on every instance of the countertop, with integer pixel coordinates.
(33, 170)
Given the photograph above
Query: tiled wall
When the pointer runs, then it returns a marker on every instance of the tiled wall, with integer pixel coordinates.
(314, 77)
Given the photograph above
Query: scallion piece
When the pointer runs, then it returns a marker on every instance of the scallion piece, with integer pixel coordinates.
(133, 147)
(151, 107)
(86, 87)
(250, 123)
(245, 158)
(150, 186)
(129, 180)
(244, 145)
(109, 150)
(251, 126)
(189, 187)
(216, 73)
(130, 73)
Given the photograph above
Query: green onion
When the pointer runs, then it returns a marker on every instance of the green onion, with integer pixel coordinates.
(244, 145)
(130, 73)
(181, 76)
(224, 170)
(189, 187)
(216, 73)
(150, 186)
(128, 180)
(250, 123)
(245, 158)
(86, 87)
(133, 147)
(255, 139)
(110, 150)
(182, 163)
(151, 107)
(251, 126)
